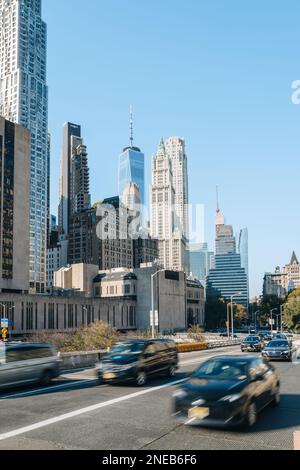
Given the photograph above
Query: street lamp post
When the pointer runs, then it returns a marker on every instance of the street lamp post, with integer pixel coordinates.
(277, 315)
(255, 315)
(152, 300)
(271, 312)
(281, 316)
(228, 322)
(232, 296)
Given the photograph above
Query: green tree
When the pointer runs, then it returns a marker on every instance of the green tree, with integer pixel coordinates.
(268, 303)
(240, 314)
(291, 317)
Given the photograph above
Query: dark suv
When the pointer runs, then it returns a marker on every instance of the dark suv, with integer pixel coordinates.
(136, 360)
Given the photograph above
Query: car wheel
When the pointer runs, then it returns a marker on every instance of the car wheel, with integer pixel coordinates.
(251, 416)
(276, 397)
(141, 378)
(46, 377)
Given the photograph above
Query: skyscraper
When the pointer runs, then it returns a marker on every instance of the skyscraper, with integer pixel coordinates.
(132, 167)
(171, 242)
(175, 148)
(24, 100)
(200, 260)
(228, 277)
(70, 131)
(14, 207)
(243, 249)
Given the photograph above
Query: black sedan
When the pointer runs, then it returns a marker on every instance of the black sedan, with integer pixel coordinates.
(252, 343)
(227, 391)
(278, 349)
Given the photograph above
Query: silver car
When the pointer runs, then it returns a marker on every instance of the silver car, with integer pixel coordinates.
(25, 363)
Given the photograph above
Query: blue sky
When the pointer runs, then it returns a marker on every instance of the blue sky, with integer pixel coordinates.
(216, 73)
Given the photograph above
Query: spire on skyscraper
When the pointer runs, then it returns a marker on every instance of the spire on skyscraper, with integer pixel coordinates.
(131, 127)
(220, 219)
(161, 152)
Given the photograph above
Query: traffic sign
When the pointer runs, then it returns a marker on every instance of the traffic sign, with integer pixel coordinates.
(155, 320)
(4, 322)
(4, 332)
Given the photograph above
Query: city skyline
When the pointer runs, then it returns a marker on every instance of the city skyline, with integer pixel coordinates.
(240, 128)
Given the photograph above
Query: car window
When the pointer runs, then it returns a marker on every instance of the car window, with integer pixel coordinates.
(278, 344)
(222, 370)
(127, 348)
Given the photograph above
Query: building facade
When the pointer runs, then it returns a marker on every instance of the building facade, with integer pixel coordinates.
(132, 170)
(292, 270)
(70, 131)
(195, 301)
(24, 100)
(15, 145)
(83, 244)
(275, 283)
(175, 149)
(114, 240)
(172, 244)
(200, 260)
(145, 250)
(227, 278)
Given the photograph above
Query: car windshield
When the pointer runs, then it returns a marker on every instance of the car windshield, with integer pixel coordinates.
(278, 344)
(222, 370)
(127, 348)
(252, 339)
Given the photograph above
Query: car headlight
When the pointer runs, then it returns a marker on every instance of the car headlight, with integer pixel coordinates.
(231, 398)
(285, 352)
(179, 394)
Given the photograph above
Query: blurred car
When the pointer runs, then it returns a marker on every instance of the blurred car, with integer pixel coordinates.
(266, 335)
(25, 363)
(137, 360)
(278, 349)
(227, 391)
(252, 343)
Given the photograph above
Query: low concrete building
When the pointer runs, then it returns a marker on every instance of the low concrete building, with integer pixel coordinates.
(76, 277)
(121, 297)
(33, 313)
(195, 299)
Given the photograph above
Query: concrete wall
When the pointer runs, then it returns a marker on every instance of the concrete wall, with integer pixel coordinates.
(169, 300)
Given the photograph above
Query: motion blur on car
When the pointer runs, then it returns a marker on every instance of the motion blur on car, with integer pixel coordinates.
(25, 363)
(265, 335)
(252, 343)
(279, 350)
(138, 360)
(227, 391)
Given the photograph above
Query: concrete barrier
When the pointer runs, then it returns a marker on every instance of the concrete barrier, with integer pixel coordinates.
(79, 360)
(297, 440)
(189, 347)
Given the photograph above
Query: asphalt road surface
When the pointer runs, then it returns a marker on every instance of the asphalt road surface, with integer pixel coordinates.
(77, 413)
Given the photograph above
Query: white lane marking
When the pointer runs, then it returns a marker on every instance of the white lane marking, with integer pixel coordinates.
(191, 420)
(46, 389)
(81, 411)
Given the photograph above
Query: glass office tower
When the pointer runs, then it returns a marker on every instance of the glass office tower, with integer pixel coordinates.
(24, 100)
(132, 169)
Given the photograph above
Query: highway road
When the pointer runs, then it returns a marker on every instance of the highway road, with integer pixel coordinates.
(77, 413)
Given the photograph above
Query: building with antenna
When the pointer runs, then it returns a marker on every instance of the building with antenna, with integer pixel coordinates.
(228, 277)
(132, 167)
